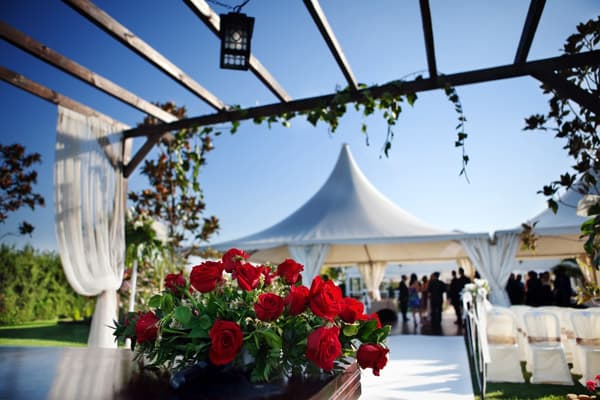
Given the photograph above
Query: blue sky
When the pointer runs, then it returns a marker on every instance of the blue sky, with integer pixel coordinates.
(259, 176)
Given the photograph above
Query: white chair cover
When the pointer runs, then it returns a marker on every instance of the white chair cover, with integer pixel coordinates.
(586, 325)
(567, 336)
(547, 361)
(89, 202)
(504, 365)
(519, 311)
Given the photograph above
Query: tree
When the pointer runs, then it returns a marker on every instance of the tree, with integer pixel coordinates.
(578, 125)
(175, 196)
(16, 183)
(569, 121)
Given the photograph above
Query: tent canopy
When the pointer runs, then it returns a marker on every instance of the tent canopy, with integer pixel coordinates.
(558, 234)
(357, 222)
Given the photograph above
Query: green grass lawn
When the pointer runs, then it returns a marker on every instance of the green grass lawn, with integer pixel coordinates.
(523, 391)
(45, 333)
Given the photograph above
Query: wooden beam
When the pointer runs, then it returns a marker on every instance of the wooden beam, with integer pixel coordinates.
(50, 95)
(566, 89)
(69, 66)
(392, 88)
(212, 20)
(531, 23)
(139, 156)
(126, 37)
(428, 34)
(320, 19)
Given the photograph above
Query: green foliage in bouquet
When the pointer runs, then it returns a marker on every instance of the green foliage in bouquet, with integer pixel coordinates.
(258, 319)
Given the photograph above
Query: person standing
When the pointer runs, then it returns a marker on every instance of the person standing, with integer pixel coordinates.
(424, 298)
(458, 308)
(436, 290)
(454, 295)
(414, 303)
(403, 297)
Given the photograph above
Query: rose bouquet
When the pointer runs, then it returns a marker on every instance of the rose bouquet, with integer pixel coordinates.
(257, 319)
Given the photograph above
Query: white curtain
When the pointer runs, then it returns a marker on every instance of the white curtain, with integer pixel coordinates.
(312, 257)
(372, 274)
(494, 262)
(89, 205)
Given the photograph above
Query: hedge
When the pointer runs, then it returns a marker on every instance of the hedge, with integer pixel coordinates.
(33, 287)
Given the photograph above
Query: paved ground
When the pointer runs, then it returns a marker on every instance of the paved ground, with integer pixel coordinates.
(422, 366)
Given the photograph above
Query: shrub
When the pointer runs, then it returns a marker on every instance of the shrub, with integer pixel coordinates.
(33, 287)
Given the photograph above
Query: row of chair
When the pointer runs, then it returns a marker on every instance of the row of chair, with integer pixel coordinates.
(547, 339)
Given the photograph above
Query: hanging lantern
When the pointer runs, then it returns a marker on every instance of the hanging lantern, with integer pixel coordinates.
(236, 33)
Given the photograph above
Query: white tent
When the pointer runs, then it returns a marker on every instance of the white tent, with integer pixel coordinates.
(558, 234)
(347, 222)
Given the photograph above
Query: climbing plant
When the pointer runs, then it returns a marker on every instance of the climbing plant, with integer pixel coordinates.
(577, 125)
(175, 196)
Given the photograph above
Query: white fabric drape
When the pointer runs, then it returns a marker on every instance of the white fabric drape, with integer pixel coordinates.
(494, 262)
(372, 274)
(312, 257)
(89, 204)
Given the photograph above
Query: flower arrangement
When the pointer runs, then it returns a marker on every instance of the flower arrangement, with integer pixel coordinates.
(479, 287)
(258, 319)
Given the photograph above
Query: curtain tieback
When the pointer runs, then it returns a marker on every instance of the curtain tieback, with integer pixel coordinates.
(588, 342)
(542, 339)
(498, 339)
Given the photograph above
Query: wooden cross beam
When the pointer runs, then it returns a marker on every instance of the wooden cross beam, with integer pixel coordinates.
(52, 96)
(531, 22)
(394, 89)
(126, 37)
(72, 68)
(318, 16)
(428, 34)
(212, 20)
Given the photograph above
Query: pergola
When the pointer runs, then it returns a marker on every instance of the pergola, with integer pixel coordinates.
(543, 70)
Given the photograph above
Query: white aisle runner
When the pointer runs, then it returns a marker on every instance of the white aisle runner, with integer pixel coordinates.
(421, 367)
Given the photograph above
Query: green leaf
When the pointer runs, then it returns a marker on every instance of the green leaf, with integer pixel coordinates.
(272, 339)
(167, 303)
(411, 98)
(366, 329)
(350, 330)
(183, 314)
(155, 301)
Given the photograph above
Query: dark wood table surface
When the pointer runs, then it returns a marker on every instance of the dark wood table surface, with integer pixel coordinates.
(31, 373)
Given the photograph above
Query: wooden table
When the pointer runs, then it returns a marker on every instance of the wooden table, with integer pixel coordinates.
(31, 373)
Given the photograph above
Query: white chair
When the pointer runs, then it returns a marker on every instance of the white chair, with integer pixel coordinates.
(586, 325)
(504, 365)
(547, 361)
(519, 311)
(567, 336)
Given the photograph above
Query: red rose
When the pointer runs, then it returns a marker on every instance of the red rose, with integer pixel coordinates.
(290, 270)
(234, 258)
(325, 298)
(323, 347)
(146, 327)
(175, 283)
(248, 276)
(267, 273)
(297, 299)
(204, 277)
(268, 307)
(351, 310)
(590, 385)
(225, 342)
(372, 356)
